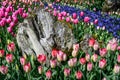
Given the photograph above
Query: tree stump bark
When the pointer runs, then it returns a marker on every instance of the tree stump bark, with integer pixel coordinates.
(41, 33)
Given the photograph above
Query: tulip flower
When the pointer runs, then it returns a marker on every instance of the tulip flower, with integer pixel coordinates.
(2, 52)
(22, 61)
(118, 58)
(27, 67)
(68, 19)
(78, 75)
(11, 47)
(116, 69)
(72, 62)
(67, 72)
(4, 69)
(60, 56)
(81, 13)
(102, 63)
(54, 53)
(41, 58)
(49, 74)
(103, 52)
(40, 69)
(87, 57)
(9, 58)
(53, 63)
(86, 19)
(74, 15)
(91, 42)
(64, 57)
(82, 61)
(89, 66)
(94, 57)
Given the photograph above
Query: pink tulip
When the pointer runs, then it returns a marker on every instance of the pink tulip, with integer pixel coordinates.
(82, 61)
(86, 19)
(60, 56)
(15, 19)
(76, 47)
(89, 66)
(8, 20)
(91, 42)
(68, 19)
(74, 15)
(9, 58)
(2, 52)
(94, 57)
(116, 69)
(59, 15)
(8, 9)
(96, 46)
(53, 63)
(55, 13)
(74, 53)
(40, 69)
(22, 61)
(24, 15)
(67, 72)
(49, 74)
(81, 13)
(54, 53)
(78, 75)
(6, 14)
(2, 23)
(118, 48)
(64, 57)
(11, 47)
(72, 62)
(41, 58)
(87, 57)
(27, 67)
(102, 63)
(12, 24)
(59, 18)
(9, 29)
(96, 21)
(103, 52)
(4, 69)
(75, 21)
(118, 58)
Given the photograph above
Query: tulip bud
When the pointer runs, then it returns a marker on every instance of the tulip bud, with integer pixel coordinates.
(9, 58)
(3, 69)
(75, 21)
(89, 66)
(49, 74)
(64, 57)
(74, 15)
(118, 58)
(22, 61)
(96, 21)
(81, 13)
(54, 53)
(78, 75)
(82, 61)
(72, 62)
(87, 57)
(68, 19)
(41, 58)
(11, 47)
(60, 56)
(27, 67)
(74, 53)
(103, 52)
(116, 69)
(2, 52)
(40, 69)
(91, 42)
(102, 63)
(67, 72)
(94, 57)
(86, 19)
(96, 46)
(53, 63)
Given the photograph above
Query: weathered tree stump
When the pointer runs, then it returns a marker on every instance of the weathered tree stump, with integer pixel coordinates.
(41, 33)
(111, 5)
